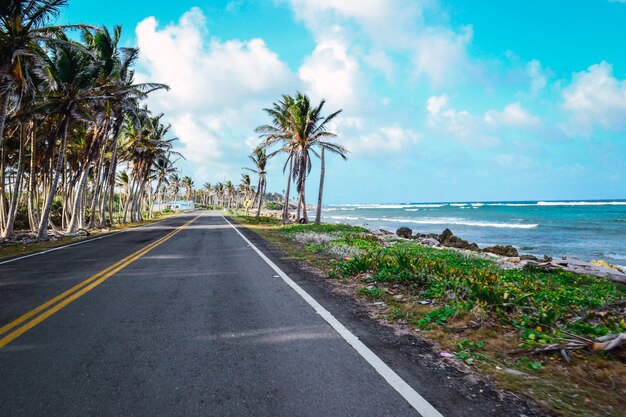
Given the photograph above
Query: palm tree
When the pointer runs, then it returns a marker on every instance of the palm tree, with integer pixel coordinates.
(70, 92)
(334, 148)
(219, 193)
(175, 183)
(187, 182)
(23, 30)
(162, 169)
(280, 132)
(229, 190)
(259, 159)
(206, 190)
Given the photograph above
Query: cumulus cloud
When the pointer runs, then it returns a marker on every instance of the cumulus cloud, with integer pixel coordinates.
(441, 54)
(459, 124)
(538, 79)
(596, 98)
(379, 26)
(512, 115)
(213, 83)
(331, 73)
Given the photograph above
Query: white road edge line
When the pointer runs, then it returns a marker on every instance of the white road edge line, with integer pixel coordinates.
(81, 242)
(405, 390)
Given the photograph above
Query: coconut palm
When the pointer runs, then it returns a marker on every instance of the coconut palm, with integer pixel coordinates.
(324, 144)
(175, 183)
(188, 184)
(279, 132)
(259, 159)
(24, 30)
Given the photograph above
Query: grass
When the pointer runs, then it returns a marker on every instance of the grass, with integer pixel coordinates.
(18, 249)
(476, 311)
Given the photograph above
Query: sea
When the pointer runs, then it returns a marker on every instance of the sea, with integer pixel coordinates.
(586, 230)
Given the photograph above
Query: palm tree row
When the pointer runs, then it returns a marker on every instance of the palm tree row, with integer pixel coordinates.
(71, 114)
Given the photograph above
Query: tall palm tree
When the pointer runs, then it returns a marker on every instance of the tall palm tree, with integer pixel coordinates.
(188, 184)
(206, 190)
(175, 183)
(162, 169)
(259, 159)
(279, 131)
(71, 91)
(334, 148)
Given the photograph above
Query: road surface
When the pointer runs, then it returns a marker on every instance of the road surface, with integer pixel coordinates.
(184, 318)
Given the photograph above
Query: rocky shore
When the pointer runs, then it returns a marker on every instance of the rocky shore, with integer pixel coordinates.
(508, 257)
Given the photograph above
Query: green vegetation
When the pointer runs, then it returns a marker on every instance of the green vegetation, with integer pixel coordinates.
(500, 322)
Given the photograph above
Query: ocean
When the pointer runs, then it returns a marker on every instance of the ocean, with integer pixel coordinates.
(583, 229)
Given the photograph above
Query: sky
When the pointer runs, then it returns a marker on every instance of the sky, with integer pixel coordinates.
(457, 100)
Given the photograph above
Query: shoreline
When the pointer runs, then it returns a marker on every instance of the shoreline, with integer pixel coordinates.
(590, 264)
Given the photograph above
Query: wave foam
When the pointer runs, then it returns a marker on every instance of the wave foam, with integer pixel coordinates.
(458, 222)
(581, 203)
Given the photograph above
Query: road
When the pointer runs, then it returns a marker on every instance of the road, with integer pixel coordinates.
(181, 318)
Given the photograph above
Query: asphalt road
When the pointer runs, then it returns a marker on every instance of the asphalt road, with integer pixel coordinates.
(199, 325)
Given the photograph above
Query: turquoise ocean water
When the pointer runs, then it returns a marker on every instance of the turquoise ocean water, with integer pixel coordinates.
(583, 229)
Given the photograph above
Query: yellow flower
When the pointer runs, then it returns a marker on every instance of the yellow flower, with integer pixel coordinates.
(539, 329)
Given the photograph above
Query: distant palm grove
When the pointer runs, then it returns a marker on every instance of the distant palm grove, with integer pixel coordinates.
(79, 149)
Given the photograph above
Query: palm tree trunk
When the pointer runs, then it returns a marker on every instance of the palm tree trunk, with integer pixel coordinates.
(4, 108)
(78, 198)
(2, 185)
(261, 193)
(32, 214)
(286, 202)
(318, 212)
(10, 222)
(302, 187)
(42, 231)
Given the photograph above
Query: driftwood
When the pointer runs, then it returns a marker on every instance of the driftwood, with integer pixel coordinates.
(575, 342)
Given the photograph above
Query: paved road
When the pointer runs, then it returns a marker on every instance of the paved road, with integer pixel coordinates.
(200, 325)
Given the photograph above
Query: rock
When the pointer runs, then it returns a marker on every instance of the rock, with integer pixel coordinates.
(426, 236)
(503, 250)
(428, 241)
(404, 232)
(447, 238)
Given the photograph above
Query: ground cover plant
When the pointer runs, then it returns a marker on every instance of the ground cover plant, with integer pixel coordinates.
(530, 331)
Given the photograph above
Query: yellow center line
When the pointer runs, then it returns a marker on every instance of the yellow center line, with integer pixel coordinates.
(77, 291)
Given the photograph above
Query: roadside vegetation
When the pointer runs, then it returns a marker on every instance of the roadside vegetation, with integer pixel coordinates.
(546, 335)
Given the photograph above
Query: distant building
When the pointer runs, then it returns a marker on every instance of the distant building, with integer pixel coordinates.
(176, 205)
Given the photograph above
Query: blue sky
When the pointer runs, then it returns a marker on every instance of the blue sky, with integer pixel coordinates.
(442, 100)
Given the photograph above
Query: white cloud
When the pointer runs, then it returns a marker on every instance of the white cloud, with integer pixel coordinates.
(441, 55)
(330, 73)
(459, 124)
(380, 26)
(596, 97)
(512, 115)
(217, 88)
(214, 75)
(389, 139)
(386, 22)
(538, 79)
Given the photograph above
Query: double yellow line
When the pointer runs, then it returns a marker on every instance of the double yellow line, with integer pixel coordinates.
(24, 323)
